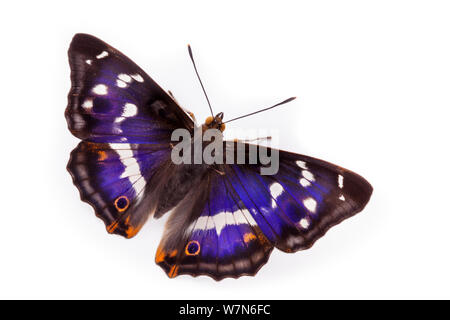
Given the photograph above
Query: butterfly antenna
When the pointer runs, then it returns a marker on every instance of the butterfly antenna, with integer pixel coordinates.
(198, 76)
(276, 105)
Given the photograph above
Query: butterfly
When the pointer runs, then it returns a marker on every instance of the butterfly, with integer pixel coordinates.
(225, 219)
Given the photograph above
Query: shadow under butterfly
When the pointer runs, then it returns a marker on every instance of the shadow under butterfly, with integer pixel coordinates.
(226, 218)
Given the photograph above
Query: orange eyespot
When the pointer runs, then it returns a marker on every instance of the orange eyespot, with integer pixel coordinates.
(121, 203)
(249, 237)
(192, 248)
(222, 127)
(102, 156)
(209, 120)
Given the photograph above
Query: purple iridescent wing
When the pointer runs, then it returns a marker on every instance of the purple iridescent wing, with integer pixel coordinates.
(112, 100)
(212, 233)
(228, 227)
(298, 204)
(117, 179)
(125, 121)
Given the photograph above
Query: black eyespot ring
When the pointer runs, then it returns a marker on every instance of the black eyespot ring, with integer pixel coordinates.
(121, 203)
(192, 248)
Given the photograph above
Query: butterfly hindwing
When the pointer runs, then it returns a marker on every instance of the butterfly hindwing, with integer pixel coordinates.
(210, 233)
(229, 226)
(116, 179)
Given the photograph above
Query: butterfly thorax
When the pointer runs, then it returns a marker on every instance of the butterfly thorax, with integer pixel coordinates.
(214, 123)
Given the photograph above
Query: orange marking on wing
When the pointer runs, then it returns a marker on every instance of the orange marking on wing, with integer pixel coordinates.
(173, 271)
(91, 146)
(102, 156)
(173, 253)
(131, 231)
(160, 255)
(127, 220)
(112, 227)
(249, 237)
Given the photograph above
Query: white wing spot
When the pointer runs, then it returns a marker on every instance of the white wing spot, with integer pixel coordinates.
(249, 217)
(119, 119)
(304, 182)
(132, 169)
(121, 84)
(308, 175)
(210, 223)
(88, 104)
(124, 77)
(275, 191)
(129, 110)
(304, 223)
(102, 55)
(89, 61)
(310, 204)
(137, 77)
(301, 164)
(341, 197)
(201, 223)
(100, 89)
(239, 217)
(341, 181)
(222, 219)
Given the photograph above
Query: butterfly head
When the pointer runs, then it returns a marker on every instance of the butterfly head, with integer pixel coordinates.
(214, 122)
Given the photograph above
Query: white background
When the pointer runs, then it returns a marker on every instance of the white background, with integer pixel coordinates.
(372, 80)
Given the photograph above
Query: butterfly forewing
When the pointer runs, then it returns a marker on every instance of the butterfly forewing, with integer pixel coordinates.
(113, 100)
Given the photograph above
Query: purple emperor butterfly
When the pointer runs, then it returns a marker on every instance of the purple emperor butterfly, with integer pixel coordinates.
(225, 218)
